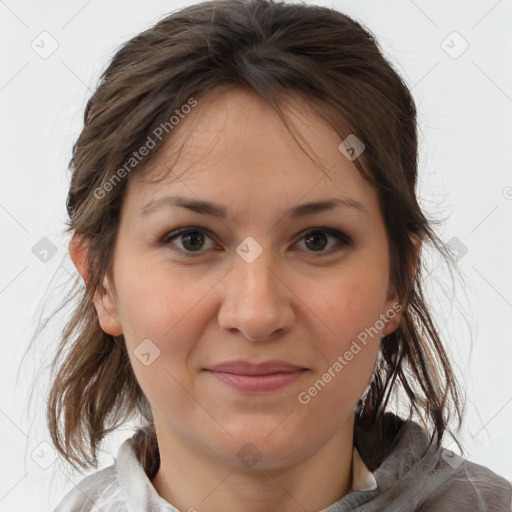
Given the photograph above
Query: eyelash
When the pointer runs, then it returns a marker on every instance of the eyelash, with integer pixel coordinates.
(168, 238)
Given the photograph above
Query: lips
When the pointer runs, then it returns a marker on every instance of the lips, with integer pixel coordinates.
(257, 378)
(264, 368)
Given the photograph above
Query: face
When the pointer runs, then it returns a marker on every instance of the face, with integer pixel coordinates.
(254, 285)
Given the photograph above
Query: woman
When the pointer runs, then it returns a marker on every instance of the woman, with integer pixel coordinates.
(221, 145)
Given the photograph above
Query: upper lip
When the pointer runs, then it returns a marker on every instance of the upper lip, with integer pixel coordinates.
(264, 368)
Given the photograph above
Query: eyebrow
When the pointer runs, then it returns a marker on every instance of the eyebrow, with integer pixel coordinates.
(221, 212)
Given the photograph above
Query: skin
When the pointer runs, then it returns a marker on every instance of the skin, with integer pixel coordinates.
(291, 303)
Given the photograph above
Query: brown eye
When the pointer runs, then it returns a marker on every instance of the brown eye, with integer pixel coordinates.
(317, 240)
(191, 240)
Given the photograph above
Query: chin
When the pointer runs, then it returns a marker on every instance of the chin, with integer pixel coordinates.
(260, 446)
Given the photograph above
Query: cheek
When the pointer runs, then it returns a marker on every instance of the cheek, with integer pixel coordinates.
(351, 305)
(167, 308)
(157, 301)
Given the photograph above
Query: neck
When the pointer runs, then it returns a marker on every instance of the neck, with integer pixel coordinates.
(190, 478)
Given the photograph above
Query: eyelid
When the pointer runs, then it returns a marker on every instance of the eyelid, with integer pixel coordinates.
(174, 233)
(343, 239)
(330, 231)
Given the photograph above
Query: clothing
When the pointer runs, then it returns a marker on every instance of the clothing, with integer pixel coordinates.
(409, 477)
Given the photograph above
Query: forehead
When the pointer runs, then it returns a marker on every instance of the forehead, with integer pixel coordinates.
(235, 148)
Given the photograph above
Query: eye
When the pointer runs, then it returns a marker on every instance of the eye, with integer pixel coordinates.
(192, 240)
(317, 240)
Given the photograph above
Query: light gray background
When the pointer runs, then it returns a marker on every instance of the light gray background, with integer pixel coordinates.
(465, 112)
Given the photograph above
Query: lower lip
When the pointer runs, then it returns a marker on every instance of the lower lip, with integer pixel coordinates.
(258, 383)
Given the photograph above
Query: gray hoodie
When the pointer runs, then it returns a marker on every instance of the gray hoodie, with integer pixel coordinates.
(410, 477)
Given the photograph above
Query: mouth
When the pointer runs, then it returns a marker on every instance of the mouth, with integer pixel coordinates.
(257, 378)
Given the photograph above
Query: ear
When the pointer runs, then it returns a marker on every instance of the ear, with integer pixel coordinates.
(105, 304)
(395, 307)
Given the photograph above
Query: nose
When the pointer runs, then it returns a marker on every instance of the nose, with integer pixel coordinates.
(256, 300)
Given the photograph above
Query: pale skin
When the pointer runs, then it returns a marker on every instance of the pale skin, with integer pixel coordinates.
(291, 303)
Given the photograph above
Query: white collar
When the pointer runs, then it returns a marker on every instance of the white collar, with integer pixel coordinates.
(362, 478)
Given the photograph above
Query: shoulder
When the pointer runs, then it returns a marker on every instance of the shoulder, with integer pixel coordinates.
(414, 475)
(465, 485)
(99, 491)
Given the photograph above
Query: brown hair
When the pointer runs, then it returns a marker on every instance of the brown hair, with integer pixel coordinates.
(279, 51)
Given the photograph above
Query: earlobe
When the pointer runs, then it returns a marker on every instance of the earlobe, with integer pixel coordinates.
(106, 307)
(105, 304)
(393, 316)
(396, 308)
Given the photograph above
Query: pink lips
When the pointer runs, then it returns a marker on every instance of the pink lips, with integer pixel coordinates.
(263, 377)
